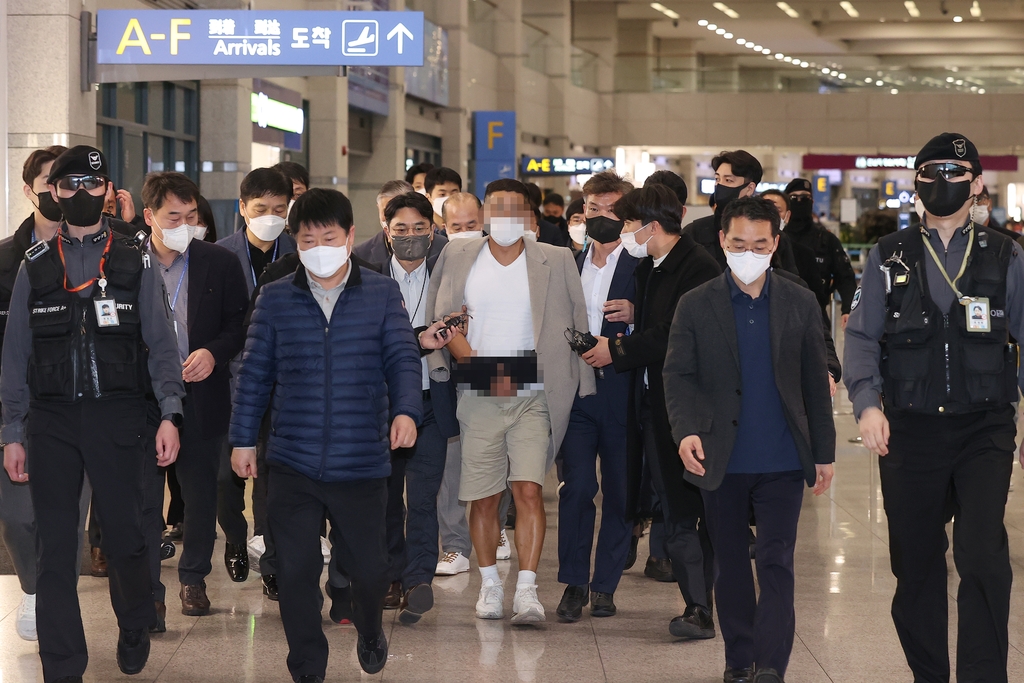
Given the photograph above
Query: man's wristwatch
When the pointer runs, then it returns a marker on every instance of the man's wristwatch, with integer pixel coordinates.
(175, 419)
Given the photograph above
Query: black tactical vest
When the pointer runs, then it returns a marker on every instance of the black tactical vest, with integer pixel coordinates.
(931, 363)
(72, 357)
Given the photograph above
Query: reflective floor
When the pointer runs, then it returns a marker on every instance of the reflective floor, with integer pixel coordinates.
(844, 633)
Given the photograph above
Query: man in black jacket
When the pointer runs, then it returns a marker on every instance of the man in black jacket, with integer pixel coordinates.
(749, 405)
(672, 264)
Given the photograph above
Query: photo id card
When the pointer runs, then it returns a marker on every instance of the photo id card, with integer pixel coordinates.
(978, 319)
(106, 313)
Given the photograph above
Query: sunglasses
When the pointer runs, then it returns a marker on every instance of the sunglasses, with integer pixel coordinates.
(76, 182)
(947, 171)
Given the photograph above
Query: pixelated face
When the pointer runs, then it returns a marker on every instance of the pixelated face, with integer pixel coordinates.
(507, 205)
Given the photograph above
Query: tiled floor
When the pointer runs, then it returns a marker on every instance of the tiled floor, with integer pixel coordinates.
(844, 633)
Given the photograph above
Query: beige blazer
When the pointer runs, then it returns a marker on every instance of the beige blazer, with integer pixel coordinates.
(556, 299)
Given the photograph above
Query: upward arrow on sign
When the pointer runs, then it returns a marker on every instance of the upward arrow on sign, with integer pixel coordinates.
(401, 32)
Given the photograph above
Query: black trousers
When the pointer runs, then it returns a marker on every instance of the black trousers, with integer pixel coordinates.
(757, 629)
(356, 510)
(197, 466)
(396, 513)
(104, 438)
(940, 466)
(153, 505)
(423, 474)
(231, 501)
(175, 508)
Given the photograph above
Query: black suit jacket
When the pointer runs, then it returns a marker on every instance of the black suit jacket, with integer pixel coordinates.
(704, 232)
(550, 233)
(702, 375)
(217, 302)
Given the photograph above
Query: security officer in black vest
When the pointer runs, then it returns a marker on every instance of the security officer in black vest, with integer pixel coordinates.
(87, 316)
(933, 378)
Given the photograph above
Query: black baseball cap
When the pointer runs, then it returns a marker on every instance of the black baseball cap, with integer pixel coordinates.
(949, 146)
(798, 185)
(79, 160)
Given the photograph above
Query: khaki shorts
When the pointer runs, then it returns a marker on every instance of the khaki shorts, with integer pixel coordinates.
(503, 440)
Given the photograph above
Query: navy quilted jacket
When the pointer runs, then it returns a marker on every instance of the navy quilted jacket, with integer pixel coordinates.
(337, 383)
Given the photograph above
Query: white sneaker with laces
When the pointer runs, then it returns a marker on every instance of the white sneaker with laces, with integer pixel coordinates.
(452, 564)
(504, 547)
(26, 621)
(325, 550)
(526, 607)
(257, 546)
(490, 605)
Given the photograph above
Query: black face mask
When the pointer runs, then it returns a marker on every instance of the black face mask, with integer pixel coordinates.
(48, 207)
(82, 209)
(942, 198)
(801, 210)
(725, 194)
(410, 247)
(603, 229)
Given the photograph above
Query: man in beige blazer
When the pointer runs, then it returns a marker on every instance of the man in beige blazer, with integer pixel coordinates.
(517, 379)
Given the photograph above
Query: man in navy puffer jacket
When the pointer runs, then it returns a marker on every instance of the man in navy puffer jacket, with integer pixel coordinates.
(337, 343)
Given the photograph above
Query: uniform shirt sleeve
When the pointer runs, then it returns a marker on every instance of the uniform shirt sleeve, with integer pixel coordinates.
(1014, 303)
(862, 355)
(844, 279)
(158, 333)
(14, 374)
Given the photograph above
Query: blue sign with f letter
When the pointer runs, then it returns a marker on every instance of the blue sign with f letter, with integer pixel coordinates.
(494, 136)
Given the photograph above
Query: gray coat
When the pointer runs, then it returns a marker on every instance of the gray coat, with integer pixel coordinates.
(702, 375)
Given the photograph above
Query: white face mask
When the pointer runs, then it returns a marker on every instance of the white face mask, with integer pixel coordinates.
(782, 225)
(324, 261)
(438, 204)
(632, 247)
(176, 239)
(267, 228)
(578, 233)
(201, 231)
(748, 266)
(530, 235)
(422, 191)
(465, 235)
(506, 230)
(981, 214)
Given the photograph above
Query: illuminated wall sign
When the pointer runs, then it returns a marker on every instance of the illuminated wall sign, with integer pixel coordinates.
(267, 112)
(565, 165)
(885, 162)
(850, 162)
(290, 38)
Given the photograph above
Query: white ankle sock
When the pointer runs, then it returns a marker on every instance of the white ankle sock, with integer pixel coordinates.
(490, 573)
(526, 578)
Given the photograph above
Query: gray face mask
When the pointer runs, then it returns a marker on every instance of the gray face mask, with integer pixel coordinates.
(411, 247)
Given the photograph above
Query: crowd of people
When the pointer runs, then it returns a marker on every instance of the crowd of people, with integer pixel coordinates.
(400, 398)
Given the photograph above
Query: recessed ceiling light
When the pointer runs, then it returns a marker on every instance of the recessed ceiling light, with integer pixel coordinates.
(894, 91)
(712, 27)
(671, 14)
(868, 80)
(720, 31)
(842, 77)
(784, 6)
(787, 59)
(959, 82)
(726, 10)
(824, 70)
(702, 22)
(766, 51)
(741, 41)
(976, 10)
(879, 83)
(804, 64)
(758, 48)
(833, 73)
(949, 79)
(912, 8)
(727, 36)
(779, 55)
(981, 91)
(957, 19)
(849, 8)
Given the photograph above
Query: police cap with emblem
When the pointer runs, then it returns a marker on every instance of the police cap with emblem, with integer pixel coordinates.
(80, 160)
(949, 146)
(798, 185)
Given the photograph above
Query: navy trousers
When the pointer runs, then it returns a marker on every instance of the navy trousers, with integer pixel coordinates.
(758, 630)
(423, 474)
(596, 427)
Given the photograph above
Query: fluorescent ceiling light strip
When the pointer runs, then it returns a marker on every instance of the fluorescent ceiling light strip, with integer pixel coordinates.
(912, 8)
(671, 14)
(849, 8)
(975, 9)
(784, 6)
(726, 10)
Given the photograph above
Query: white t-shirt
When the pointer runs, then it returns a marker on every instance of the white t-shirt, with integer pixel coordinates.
(498, 302)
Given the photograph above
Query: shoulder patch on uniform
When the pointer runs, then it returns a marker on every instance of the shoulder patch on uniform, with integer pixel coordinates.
(856, 300)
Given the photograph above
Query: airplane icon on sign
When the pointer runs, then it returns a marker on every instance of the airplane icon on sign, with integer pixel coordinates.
(361, 44)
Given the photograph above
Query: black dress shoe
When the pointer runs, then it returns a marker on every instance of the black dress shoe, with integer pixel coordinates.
(160, 625)
(694, 624)
(393, 600)
(236, 559)
(570, 608)
(767, 676)
(132, 650)
(418, 600)
(659, 570)
(309, 679)
(602, 605)
(167, 550)
(373, 653)
(738, 675)
(341, 604)
(270, 586)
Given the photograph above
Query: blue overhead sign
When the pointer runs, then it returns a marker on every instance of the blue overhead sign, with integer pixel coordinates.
(290, 38)
(494, 136)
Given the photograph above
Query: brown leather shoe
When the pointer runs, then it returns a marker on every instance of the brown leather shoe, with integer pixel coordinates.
(194, 602)
(394, 597)
(99, 563)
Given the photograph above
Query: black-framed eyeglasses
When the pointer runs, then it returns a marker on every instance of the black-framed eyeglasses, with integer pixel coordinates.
(948, 171)
(76, 182)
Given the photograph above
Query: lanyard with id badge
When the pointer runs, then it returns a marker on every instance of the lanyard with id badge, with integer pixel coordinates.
(177, 290)
(106, 309)
(976, 309)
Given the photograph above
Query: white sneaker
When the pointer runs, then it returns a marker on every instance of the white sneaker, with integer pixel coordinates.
(257, 546)
(325, 550)
(26, 621)
(526, 607)
(452, 564)
(504, 547)
(490, 604)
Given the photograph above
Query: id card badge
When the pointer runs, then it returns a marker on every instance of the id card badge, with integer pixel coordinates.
(978, 316)
(106, 313)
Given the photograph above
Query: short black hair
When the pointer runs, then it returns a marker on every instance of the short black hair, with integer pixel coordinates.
(320, 206)
(554, 198)
(416, 170)
(439, 176)
(743, 164)
(409, 200)
(293, 171)
(508, 185)
(653, 202)
(606, 182)
(575, 206)
(670, 180)
(753, 209)
(159, 186)
(535, 195)
(37, 159)
(206, 218)
(777, 193)
(264, 182)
